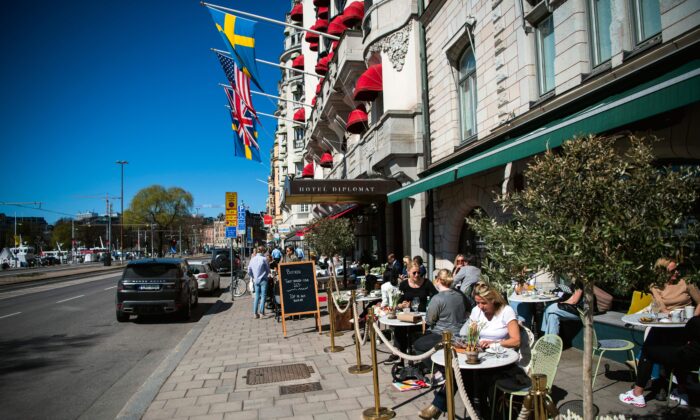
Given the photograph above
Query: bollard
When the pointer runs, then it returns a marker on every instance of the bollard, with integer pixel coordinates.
(449, 374)
(329, 291)
(537, 400)
(378, 412)
(360, 368)
(333, 348)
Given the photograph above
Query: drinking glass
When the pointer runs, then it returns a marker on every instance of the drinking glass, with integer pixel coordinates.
(415, 303)
(655, 309)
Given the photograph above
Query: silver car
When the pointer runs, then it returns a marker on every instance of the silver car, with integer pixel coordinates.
(207, 279)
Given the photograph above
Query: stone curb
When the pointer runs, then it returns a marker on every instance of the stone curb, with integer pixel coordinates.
(137, 405)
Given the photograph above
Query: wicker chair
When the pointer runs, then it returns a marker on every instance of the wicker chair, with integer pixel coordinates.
(545, 360)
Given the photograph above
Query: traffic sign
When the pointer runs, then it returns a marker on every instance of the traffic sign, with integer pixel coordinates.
(231, 209)
(267, 219)
(231, 232)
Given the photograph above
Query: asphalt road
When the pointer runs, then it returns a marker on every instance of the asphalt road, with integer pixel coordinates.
(63, 355)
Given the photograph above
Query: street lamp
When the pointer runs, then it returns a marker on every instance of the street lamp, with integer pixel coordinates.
(121, 224)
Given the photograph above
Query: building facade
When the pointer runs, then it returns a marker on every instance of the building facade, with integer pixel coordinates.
(470, 90)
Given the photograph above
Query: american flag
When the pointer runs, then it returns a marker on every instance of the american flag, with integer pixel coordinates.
(239, 81)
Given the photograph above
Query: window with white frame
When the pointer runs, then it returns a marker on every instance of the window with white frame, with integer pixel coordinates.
(600, 21)
(304, 208)
(467, 94)
(298, 138)
(545, 55)
(647, 19)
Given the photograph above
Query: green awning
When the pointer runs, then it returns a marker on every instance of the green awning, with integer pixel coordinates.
(678, 88)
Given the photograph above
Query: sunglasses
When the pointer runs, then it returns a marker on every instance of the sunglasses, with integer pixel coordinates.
(460, 260)
(413, 273)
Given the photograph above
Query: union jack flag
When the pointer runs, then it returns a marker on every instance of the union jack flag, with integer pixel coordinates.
(238, 80)
(244, 128)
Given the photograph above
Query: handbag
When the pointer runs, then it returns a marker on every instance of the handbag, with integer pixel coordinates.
(568, 307)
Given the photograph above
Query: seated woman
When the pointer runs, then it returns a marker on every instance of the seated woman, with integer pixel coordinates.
(500, 326)
(447, 312)
(566, 309)
(390, 285)
(675, 293)
(415, 287)
(681, 359)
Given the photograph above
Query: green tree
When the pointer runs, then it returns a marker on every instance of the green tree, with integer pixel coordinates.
(597, 215)
(160, 207)
(61, 233)
(330, 237)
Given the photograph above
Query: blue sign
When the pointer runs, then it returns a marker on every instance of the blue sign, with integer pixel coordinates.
(230, 231)
(241, 218)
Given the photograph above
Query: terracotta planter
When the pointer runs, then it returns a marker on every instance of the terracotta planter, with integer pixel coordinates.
(342, 321)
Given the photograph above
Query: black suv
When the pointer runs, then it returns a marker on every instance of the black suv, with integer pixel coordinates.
(156, 286)
(221, 261)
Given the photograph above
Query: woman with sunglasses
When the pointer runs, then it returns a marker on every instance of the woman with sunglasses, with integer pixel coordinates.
(460, 260)
(500, 326)
(415, 287)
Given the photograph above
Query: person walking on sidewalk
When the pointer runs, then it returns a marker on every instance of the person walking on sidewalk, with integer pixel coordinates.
(259, 271)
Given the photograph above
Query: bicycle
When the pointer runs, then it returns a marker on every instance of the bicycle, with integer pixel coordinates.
(238, 287)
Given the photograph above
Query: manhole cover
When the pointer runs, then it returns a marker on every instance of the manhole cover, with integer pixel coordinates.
(270, 374)
(299, 388)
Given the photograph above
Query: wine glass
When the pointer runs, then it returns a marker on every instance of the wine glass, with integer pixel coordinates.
(655, 309)
(415, 303)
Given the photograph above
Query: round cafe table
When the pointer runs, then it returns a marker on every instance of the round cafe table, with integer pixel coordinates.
(384, 320)
(532, 298)
(662, 322)
(487, 360)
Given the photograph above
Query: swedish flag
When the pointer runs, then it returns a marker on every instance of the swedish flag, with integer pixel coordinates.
(239, 36)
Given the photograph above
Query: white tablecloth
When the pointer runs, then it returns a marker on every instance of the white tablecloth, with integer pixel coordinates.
(488, 360)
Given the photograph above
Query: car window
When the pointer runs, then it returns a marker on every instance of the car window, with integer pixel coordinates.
(146, 271)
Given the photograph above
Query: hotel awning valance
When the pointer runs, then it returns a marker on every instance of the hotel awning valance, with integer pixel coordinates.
(675, 89)
(298, 62)
(300, 115)
(322, 12)
(297, 13)
(317, 191)
(357, 120)
(354, 13)
(321, 25)
(337, 26)
(369, 84)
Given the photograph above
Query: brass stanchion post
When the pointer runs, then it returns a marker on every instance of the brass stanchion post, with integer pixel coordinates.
(449, 374)
(360, 368)
(331, 315)
(378, 412)
(329, 290)
(537, 402)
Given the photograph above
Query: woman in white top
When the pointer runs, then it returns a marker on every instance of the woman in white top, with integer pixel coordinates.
(501, 323)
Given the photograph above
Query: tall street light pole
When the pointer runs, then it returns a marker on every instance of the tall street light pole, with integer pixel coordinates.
(121, 223)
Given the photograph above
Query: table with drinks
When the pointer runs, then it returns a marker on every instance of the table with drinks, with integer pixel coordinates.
(675, 319)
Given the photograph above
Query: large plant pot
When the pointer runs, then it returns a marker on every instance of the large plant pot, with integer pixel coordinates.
(342, 321)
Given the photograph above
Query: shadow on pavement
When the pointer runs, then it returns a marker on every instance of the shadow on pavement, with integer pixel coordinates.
(197, 314)
(39, 352)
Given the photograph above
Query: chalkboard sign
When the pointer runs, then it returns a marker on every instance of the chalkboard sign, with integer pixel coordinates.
(298, 291)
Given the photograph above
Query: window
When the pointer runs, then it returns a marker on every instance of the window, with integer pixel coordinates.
(601, 18)
(304, 208)
(298, 138)
(647, 19)
(467, 94)
(377, 109)
(545, 55)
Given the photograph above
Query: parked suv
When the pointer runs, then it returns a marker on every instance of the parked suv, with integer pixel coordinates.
(156, 286)
(221, 261)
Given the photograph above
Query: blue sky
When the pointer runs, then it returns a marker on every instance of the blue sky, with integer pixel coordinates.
(85, 84)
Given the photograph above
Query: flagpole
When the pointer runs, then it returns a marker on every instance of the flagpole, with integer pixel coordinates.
(270, 96)
(274, 116)
(269, 63)
(278, 22)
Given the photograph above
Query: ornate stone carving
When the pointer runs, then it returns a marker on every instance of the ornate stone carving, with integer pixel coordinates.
(395, 46)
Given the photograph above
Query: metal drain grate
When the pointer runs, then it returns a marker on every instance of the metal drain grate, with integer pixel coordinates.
(299, 388)
(270, 374)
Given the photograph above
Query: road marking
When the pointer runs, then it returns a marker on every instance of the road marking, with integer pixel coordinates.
(5, 316)
(110, 287)
(66, 300)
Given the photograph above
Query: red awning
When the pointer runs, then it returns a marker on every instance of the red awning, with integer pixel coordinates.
(326, 160)
(334, 45)
(313, 101)
(313, 46)
(337, 27)
(369, 84)
(300, 115)
(318, 86)
(308, 171)
(340, 213)
(322, 12)
(297, 13)
(357, 120)
(311, 37)
(321, 25)
(354, 13)
(322, 65)
(298, 62)
(319, 3)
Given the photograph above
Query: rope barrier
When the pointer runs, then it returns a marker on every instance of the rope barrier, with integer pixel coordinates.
(340, 311)
(363, 340)
(402, 355)
(462, 391)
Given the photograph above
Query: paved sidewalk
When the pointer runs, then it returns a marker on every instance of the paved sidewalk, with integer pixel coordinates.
(210, 381)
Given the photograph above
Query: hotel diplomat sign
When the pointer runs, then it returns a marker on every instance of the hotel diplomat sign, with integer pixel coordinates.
(311, 191)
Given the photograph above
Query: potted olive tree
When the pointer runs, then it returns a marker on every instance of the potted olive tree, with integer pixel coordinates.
(599, 211)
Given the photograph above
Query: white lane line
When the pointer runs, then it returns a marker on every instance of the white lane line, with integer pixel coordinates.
(6, 316)
(66, 300)
(110, 287)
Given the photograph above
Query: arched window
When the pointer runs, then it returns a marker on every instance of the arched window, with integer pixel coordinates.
(467, 94)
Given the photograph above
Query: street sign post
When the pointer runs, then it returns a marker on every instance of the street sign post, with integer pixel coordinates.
(230, 231)
(231, 209)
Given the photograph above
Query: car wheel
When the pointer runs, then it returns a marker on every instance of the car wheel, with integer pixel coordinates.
(186, 312)
(196, 298)
(122, 317)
